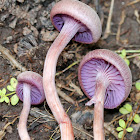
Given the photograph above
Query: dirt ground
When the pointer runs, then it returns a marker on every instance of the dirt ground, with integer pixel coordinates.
(26, 31)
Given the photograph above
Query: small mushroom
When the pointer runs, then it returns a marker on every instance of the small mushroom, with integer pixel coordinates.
(106, 79)
(75, 20)
(30, 91)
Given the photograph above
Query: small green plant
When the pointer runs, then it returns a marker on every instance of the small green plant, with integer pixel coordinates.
(123, 55)
(12, 89)
(137, 85)
(126, 109)
(122, 127)
(3, 96)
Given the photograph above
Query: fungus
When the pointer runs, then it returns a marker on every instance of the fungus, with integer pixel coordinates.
(75, 20)
(29, 90)
(106, 79)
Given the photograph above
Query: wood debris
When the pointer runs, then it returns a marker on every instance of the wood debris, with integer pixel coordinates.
(108, 25)
(76, 88)
(123, 16)
(6, 54)
(65, 96)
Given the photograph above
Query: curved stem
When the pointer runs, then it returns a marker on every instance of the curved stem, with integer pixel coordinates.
(22, 126)
(67, 33)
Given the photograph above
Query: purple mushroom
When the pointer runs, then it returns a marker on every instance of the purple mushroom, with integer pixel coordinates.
(77, 21)
(106, 79)
(30, 91)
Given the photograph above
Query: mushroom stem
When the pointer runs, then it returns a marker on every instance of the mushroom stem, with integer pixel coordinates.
(98, 99)
(67, 33)
(22, 128)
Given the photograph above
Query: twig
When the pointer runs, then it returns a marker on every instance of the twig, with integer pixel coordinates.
(108, 26)
(124, 130)
(9, 57)
(56, 129)
(128, 51)
(133, 2)
(4, 83)
(111, 130)
(2, 132)
(82, 100)
(135, 55)
(40, 113)
(77, 89)
(119, 27)
(116, 119)
(71, 65)
(77, 127)
(65, 96)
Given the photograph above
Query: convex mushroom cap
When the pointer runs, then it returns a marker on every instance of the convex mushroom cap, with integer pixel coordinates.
(36, 82)
(115, 73)
(90, 30)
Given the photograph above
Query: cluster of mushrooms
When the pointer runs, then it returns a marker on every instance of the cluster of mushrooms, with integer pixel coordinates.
(103, 75)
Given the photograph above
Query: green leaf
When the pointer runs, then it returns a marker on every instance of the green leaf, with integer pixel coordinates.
(13, 82)
(0, 92)
(121, 56)
(123, 52)
(122, 123)
(6, 99)
(122, 110)
(2, 99)
(128, 107)
(3, 91)
(14, 99)
(120, 134)
(127, 61)
(129, 129)
(10, 88)
(119, 129)
(137, 85)
(136, 118)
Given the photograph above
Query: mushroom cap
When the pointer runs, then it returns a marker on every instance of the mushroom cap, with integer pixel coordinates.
(91, 25)
(36, 83)
(115, 71)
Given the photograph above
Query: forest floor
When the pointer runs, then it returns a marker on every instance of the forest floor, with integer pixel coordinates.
(26, 33)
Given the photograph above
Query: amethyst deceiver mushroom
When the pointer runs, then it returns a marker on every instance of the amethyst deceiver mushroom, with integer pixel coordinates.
(106, 79)
(30, 91)
(75, 20)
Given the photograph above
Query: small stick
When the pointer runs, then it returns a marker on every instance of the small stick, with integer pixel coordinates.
(108, 26)
(116, 119)
(111, 130)
(65, 96)
(71, 65)
(77, 89)
(119, 27)
(132, 56)
(2, 132)
(9, 57)
(128, 51)
(133, 2)
(82, 130)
